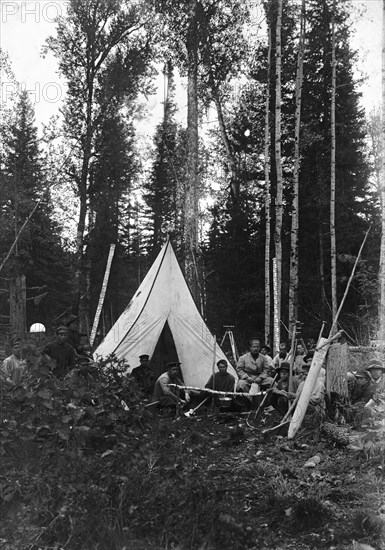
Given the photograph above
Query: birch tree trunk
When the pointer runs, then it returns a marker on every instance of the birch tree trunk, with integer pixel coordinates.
(267, 198)
(191, 192)
(278, 163)
(381, 315)
(333, 251)
(293, 283)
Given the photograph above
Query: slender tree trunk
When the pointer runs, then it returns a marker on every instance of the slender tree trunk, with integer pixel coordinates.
(294, 282)
(191, 194)
(80, 305)
(231, 161)
(381, 315)
(333, 251)
(278, 163)
(267, 199)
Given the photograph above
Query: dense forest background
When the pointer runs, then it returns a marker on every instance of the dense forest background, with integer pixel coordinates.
(278, 77)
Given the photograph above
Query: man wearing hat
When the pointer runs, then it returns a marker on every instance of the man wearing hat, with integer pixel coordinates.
(168, 397)
(61, 352)
(376, 369)
(280, 393)
(143, 375)
(13, 366)
(360, 387)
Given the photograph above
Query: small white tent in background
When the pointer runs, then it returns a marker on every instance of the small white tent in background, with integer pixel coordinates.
(37, 328)
(164, 296)
(37, 332)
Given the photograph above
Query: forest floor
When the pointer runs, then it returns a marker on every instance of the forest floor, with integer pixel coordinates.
(254, 492)
(201, 483)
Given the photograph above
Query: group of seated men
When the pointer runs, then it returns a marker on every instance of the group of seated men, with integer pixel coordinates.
(257, 372)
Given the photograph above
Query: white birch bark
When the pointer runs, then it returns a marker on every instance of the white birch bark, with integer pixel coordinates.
(333, 250)
(267, 198)
(278, 163)
(294, 282)
(381, 312)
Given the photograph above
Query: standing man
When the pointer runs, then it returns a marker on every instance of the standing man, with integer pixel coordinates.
(62, 353)
(169, 396)
(143, 375)
(252, 368)
(13, 366)
(299, 359)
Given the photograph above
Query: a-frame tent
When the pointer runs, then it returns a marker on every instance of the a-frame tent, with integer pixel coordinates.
(164, 296)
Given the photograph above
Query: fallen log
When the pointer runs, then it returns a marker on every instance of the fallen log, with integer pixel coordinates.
(192, 388)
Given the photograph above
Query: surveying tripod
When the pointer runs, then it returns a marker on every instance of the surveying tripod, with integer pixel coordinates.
(233, 345)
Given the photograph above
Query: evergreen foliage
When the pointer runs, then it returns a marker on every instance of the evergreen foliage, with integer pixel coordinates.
(163, 192)
(38, 253)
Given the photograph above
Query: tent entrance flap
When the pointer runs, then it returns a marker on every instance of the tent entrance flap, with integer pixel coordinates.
(165, 351)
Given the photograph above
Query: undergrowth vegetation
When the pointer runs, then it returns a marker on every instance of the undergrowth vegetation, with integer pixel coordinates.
(85, 466)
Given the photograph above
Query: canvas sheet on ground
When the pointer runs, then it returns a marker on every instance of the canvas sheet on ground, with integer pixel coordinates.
(164, 296)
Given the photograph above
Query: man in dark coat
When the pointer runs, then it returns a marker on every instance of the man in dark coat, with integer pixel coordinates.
(143, 375)
(360, 387)
(62, 353)
(221, 380)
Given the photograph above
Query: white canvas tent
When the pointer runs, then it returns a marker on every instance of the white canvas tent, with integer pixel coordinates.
(164, 296)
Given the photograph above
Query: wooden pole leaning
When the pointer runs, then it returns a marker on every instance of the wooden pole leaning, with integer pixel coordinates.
(286, 419)
(213, 370)
(261, 404)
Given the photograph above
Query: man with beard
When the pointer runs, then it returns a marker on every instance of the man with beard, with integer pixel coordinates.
(253, 368)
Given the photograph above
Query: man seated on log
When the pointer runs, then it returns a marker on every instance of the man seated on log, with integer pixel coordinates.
(253, 368)
(221, 380)
(143, 375)
(168, 397)
(13, 366)
(62, 352)
(280, 393)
